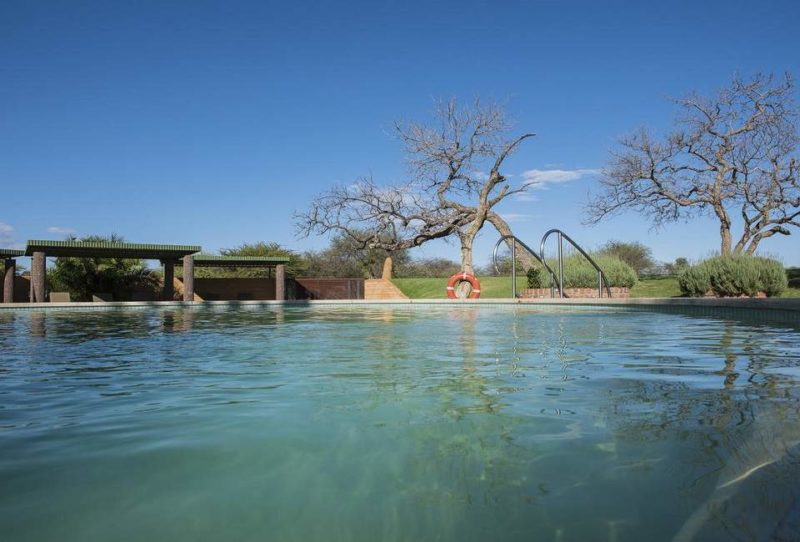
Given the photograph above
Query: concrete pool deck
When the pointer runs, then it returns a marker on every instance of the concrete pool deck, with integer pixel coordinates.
(792, 305)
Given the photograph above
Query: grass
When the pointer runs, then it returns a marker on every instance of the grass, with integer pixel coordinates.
(500, 288)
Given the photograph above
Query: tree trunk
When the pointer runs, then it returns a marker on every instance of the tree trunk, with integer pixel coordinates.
(504, 229)
(724, 229)
(466, 252)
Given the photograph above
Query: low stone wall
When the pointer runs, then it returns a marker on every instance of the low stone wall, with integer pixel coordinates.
(327, 288)
(574, 293)
(235, 289)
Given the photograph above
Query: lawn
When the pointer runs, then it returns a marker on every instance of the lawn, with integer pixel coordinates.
(500, 288)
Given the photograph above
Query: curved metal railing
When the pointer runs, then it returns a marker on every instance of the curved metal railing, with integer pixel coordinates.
(514, 263)
(601, 278)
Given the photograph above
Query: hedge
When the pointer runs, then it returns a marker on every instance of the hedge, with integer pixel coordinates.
(579, 273)
(733, 276)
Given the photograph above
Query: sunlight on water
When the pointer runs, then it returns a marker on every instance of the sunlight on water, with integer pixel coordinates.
(410, 423)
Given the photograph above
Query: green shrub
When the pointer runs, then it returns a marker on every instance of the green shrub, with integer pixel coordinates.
(579, 273)
(536, 277)
(694, 281)
(733, 276)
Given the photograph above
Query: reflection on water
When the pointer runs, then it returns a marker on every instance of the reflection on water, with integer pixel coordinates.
(375, 423)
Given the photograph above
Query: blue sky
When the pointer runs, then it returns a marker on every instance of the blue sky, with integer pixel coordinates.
(212, 122)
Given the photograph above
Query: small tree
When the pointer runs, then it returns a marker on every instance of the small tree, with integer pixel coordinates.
(635, 254)
(456, 180)
(734, 155)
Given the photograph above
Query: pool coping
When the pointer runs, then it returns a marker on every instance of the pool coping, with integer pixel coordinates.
(749, 304)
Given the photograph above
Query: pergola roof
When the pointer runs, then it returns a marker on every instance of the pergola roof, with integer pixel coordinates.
(210, 260)
(11, 253)
(104, 249)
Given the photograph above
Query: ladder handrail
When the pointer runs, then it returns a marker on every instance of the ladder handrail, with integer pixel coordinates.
(514, 262)
(601, 277)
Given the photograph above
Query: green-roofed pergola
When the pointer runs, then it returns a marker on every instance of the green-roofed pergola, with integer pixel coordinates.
(168, 255)
(9, 256)
(211, 260)
(94, 249)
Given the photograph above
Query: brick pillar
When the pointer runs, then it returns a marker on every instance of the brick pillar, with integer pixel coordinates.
(8, 280)
(188, 278)
(280, 282)
(38, 275)
(169, 280)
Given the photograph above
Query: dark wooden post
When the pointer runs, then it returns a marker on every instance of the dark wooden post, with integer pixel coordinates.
(280, 282)
(8, 280)
(188, 278)
(169, 280)
(38, 275)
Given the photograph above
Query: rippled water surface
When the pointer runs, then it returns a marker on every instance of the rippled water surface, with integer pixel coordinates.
(412, 423)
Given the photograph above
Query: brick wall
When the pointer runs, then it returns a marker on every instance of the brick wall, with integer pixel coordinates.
(574, 292)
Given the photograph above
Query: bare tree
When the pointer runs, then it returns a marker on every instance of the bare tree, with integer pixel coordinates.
(455, 181)
(733, 156)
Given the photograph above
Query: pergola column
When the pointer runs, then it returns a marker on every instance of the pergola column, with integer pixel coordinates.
(188, 278)
(8, 280)
(169, 280)
(280, 282)
(38, 275)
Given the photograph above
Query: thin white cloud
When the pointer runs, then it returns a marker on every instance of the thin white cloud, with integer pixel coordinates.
(517, 217)
(538, 179)
(7, 235)
(526, 196)
(56, 230)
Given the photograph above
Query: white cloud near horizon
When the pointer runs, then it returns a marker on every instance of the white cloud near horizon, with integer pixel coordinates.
(7, 235)
(57, 230)
(517, 217)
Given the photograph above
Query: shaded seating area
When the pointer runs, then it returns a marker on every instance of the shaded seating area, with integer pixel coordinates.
(186, 256)
(39, 250)
(238, 289)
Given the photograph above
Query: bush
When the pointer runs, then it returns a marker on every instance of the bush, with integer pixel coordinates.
(536, 277)
(694, 281)
(579, 273)
(733, 276)
(635, 254)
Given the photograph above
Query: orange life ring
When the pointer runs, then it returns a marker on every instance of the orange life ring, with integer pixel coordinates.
(461, 277)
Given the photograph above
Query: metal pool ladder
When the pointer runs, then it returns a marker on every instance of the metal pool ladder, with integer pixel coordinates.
(559, 280)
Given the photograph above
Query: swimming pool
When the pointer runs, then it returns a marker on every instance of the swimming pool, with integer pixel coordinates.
(424, 422)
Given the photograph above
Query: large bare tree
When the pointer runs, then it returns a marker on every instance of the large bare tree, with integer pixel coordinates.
(733, 156)
(455, 181)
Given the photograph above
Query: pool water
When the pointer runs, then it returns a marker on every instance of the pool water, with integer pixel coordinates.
(420, 422)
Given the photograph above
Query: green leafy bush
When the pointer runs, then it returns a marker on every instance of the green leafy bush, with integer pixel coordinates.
(579, 273)
(536, 277)
(694, 281)
(733, 276)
